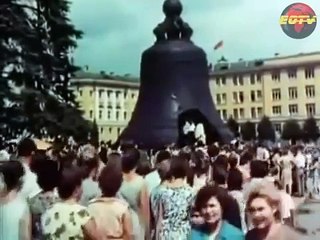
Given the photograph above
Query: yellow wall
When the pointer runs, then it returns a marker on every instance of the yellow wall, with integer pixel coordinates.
(304, 63)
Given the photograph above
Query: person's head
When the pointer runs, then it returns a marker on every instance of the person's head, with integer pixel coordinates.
(235, 180)
(258, 169)
(114, 161)
(211, 203)
(263, 205)
(110, 182)
(90, 166)
(179, 168)
(26, 147)
(213, 150)
(246, 157)
(70, 183)
(48, 175)
(219, 175)
(233, 161)
(130, 160)
(11, 176)
(201, 163)
(143, 168)
(222, 161)
(164, 170)
(162, 155)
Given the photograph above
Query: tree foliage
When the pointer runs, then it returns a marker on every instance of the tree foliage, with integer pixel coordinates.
(233, 126)
(248, 131)
(292, 130)
(265, 129)
(94, 135)
(311, 129)
(36, 41)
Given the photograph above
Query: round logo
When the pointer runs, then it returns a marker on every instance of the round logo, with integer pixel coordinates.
(298, 20)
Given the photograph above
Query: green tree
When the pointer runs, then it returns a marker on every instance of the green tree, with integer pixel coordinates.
(292, 131)
(248, 131)
(311, 129)
(233, 126)
(265, 129)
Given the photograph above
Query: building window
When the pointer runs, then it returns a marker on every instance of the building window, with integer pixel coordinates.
(241, 97)
(118, 94)
(309, 72)
(292, 73)
(109, 114)
(218, 99)
(132, 95)
(91, 93)
(118, 131)
(223, 81)
(253, 113)
(252, 79)
(117, 115)
(235, 80)
(91, 114)
(311, 109)
(125, 115)
(259, 110)
(235, 114)
(258, 78)
(276, 110)
(240, 80)
(259, 94)
(110, 130)
(224, 98)
(253, 96)
(276, 94)
(310, 91)
(293, 92)
(80, 93)
(293, 109)
(218, 81)
(241, 113)
(100, 93)
(235, 97)
(224, 114)
(275, 76)
(101, 130)
(109, 92)
(100, 114)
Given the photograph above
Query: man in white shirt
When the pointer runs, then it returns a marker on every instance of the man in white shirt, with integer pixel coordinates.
(188, 132)
(26, 150)
(262, 153)
(300, 164)
(200, 134)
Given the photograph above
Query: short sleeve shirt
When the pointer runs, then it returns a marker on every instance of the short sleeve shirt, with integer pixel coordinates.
(64, 221)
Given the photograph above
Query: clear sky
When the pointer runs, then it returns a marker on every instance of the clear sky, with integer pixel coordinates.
(117, 31)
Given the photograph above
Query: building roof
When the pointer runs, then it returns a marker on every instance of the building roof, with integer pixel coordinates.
(104, 76)
(224, 67)
(104, 80)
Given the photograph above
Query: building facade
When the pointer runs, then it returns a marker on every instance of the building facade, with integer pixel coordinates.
(109, 100)
(279, 87)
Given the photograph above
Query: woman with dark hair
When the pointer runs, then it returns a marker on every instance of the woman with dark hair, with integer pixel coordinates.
(111, 213)
(176, 203)
(48, 178)
(68, 219)
(200, 169)
(235, 181)
(265, 214)
(134, 191)
(211, 201)
(90, 187)
(15, 219)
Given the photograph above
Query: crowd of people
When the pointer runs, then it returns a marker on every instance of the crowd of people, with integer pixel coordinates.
(229, 192)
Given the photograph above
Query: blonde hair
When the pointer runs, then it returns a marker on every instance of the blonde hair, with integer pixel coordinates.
(270, 193)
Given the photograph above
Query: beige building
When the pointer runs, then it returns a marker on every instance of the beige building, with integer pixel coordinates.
(281, 87)
(110, 100)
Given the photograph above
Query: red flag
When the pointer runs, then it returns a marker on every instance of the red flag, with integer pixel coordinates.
(218, 45)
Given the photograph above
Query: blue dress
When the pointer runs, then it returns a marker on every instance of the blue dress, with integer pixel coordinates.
(227, 232)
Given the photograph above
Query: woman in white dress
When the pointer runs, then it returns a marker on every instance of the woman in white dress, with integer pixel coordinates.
(15, 220)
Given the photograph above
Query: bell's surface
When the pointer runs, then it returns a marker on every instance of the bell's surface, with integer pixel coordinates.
(174, 87)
